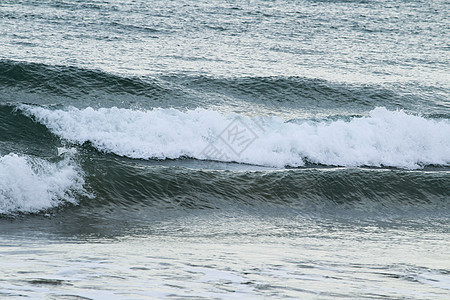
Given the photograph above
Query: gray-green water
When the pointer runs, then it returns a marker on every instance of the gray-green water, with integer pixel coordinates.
(219, 149)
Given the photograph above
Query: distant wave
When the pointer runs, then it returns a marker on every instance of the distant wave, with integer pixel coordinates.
(384, 138)
(30, 184)
(70, 81)
(79, 86)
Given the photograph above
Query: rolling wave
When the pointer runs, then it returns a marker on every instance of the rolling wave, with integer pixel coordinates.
(30, 184)
(71, 82)
(33, 181)
(106, 187)
(382, 139)
(122, 185)
(45, 84)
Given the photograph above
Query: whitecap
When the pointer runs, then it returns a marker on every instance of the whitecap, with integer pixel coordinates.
(383, 138)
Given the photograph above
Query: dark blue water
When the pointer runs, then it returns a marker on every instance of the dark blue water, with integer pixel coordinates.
(170, 149)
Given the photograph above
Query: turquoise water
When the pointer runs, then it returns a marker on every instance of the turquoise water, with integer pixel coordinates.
(191, 149)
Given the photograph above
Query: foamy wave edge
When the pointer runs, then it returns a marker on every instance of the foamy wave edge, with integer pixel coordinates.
(30, 184)
(383, 138)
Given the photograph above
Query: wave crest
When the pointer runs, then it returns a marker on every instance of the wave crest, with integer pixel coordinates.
(29, 184)
(384, 138)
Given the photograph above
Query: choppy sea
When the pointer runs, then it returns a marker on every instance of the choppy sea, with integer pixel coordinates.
(224, 149)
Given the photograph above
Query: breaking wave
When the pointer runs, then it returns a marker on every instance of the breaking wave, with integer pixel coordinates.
(383, 138)
(30, 184)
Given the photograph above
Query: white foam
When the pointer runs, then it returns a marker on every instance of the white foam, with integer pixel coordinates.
(29, 184)
(384, 138)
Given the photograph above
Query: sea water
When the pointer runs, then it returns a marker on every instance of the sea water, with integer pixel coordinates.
(222, 149)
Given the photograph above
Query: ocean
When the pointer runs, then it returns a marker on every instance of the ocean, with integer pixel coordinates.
(224, 149)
